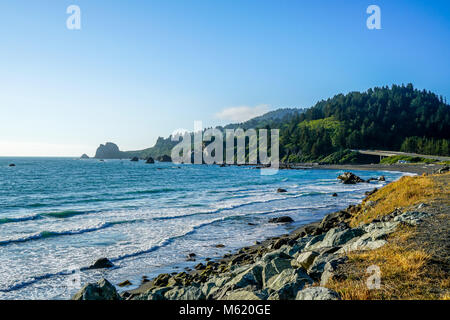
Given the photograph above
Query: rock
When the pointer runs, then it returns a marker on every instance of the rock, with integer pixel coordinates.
(304, 259)
(279, 243)
(161, 280)
(334, 195)
(281, 190)
(381, 178)
(283, 219)
(84, 156)
(134, 159)
(149, 160)
(200, 266)
(412, 217)
(317, 293)
(102, 263)
(333, 220)
(219, 245)
(155, 294)
(164, 158)
(185, 293)
(241, 294)
(125, 283)
(350, 178)
(337, 237)
(251, 276)
(317, 268)
(109, 151)
(274, 267)
(329, 270)
(102, 290)
(284, 286)
(12, 165)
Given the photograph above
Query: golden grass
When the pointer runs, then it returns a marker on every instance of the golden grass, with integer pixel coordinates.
(405, 272)
(405, 192)
(408, 271)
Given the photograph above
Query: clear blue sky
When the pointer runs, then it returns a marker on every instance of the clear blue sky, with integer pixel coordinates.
(141, 69)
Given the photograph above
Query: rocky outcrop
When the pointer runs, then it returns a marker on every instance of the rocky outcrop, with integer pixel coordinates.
(164, 158)
(150, 160)
(281, 190)
(443, 170)
(349, 178)
(109, 151)
(135, 159)
(102, 290)
(84, 156)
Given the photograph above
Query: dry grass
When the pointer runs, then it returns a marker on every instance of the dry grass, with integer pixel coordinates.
(406, 272)
(405, 192)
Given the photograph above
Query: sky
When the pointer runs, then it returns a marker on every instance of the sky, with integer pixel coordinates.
(137, 70)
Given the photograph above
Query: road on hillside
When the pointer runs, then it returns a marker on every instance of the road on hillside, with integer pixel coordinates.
(383, 153)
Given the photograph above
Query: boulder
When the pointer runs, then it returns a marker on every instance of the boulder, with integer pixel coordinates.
(149, 160)
(286, 284)
(102, 263)
(333, 220)
(241, 294)
(304, 259)
(274, 267)
(381, 178)
(12, 165)
(281, 190)
(164, 158)
(334, 194)
(283, 219)
(412, 217)
(134, 159)
(125, 283)
(84, 156)
(350, 178)
(317, 293)
(185, 293)
(102, 290)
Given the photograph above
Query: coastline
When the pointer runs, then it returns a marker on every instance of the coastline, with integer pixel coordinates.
(248, 255)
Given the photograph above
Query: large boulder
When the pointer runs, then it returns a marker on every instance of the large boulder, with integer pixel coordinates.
(283, 219)
(286, 284)
(305, 259)
(317, 293)
(349, 178)
(273, 267)
(102, 290)
(242, 294)
(150, 160)
(102, 263)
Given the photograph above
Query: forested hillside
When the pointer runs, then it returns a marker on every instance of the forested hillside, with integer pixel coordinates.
(396, 118)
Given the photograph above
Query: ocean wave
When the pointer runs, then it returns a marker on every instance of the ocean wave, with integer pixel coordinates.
(153, 191)
(50, 234)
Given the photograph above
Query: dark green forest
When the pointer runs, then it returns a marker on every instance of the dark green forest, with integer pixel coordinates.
(395, 118)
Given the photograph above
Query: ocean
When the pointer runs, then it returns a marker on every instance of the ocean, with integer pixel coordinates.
(59, 215)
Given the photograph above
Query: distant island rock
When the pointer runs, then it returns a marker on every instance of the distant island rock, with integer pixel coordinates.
(164, 158)
(109, 151)
(84, 156)
(150, 160)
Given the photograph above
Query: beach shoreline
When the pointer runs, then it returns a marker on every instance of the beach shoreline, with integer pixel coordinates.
(271, 244)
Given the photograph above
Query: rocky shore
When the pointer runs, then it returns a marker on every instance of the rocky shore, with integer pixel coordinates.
(297, 266)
